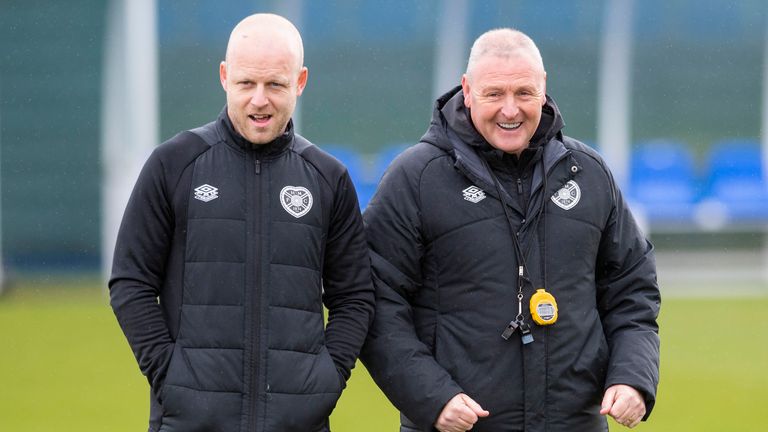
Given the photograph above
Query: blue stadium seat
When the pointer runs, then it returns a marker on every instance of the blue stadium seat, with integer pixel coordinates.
(663, 181)
(735, 180)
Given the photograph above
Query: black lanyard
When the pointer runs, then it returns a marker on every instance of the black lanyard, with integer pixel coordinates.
(522, 272)
(513, 234)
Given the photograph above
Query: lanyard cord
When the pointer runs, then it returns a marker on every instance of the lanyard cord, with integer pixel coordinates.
(522, 268)
(543, 213)
(515, 242)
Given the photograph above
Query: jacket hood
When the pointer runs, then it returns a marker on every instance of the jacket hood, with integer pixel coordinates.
(450, 112)
(451, 130)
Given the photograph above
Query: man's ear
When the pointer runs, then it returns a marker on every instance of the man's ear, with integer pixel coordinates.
(544, 91)
(302, 83)
(223, 74)
(465, 89)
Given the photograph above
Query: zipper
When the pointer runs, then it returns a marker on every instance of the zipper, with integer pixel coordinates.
(255, 291)
(522, 200)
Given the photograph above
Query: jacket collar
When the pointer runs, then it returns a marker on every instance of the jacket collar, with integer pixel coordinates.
(232, 137)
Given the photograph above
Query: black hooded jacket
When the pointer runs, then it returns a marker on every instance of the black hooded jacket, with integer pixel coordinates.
(225, 256)
(445, 273)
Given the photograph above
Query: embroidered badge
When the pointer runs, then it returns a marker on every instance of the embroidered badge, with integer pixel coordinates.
(568, 196)
(296, 200)
(206, 193)
(473, 194)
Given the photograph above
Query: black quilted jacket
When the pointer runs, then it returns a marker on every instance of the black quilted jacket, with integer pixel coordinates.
(242, 245)
(445, 274)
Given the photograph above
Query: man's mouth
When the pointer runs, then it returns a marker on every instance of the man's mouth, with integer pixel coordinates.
(260, 118)
(509, 126)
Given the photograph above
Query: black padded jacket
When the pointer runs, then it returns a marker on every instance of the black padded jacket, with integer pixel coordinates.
(445, 273)
(225, 256)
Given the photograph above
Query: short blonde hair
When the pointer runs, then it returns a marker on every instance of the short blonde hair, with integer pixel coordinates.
(504, 43)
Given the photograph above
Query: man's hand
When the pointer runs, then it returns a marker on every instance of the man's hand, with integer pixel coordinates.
(459, 414)
(624, 404)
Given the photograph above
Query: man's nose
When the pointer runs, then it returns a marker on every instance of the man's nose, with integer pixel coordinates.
(509, 108)
(259, 96)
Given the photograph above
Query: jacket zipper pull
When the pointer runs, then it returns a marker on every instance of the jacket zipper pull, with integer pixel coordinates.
(258, 166)
(519, 186)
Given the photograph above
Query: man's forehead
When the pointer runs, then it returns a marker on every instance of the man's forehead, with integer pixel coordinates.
(505, 78)
(505, 68)
(263, 55)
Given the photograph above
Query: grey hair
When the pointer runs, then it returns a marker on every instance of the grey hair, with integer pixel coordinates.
(504, 43)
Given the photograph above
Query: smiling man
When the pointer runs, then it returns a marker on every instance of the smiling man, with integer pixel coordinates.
(514, 289)
(505, 93)
(236, 235)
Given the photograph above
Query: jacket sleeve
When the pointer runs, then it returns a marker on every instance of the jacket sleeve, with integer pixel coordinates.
(138, 271)
(347, 288)
(400, 363)
(629, 301)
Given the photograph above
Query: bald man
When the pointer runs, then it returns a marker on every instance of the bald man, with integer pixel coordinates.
(236, 235)
(515, 292)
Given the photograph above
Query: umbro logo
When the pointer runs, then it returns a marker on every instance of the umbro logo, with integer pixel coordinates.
(206, 193)
(473, 194)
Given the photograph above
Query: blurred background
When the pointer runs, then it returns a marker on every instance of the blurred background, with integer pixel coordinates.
(672, 93)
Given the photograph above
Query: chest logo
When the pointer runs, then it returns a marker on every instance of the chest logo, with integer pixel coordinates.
(206, 193)
(296, 200)
(473, 194)
(568, 196)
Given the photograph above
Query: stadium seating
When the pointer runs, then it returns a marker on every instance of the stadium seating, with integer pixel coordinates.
(735, 181)
(662, 182)
(666, 189)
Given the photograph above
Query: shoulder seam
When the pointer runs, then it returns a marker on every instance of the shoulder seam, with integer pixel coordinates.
(427, 163)
(192, 160)
(300, 153)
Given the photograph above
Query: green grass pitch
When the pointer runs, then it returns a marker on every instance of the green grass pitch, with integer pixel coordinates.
(65, 366)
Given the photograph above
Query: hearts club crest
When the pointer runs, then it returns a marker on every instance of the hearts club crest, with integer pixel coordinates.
(296, 200)
(568, 196)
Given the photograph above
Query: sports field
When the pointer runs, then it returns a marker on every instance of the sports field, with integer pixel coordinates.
(65, 366)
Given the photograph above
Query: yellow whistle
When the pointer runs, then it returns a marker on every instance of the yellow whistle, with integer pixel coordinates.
(543, 307)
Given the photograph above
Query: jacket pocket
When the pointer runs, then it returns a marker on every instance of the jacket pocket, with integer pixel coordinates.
(300, 372)
(169, 373)
(327, 367)
(201, 392)
(207, 369)
(297, 379)
(189, 410)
